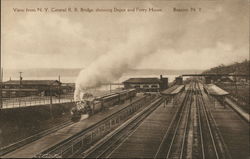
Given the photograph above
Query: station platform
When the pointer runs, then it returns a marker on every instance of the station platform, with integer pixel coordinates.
(214, 90)
(173, 90)
(243, 114)
(146, 139)
(144, 142)
(178, 90)
(34, 148)
(234, 130)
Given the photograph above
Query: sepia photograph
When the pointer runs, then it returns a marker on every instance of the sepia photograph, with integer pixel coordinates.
(160, 79)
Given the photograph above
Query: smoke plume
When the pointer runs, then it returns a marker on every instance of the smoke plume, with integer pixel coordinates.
(141, 41)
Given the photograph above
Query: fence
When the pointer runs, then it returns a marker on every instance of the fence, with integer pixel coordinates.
(35, 100)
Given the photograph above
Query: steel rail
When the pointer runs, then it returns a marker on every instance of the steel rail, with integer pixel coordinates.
(25, 141)
(167, 132)
(126, 137)
(186, 128)
(200, 129)
(171, 125)
(66, 143)
(185, 101)
(176, 129)
(135, 123)
(209, 126)
(225, 152)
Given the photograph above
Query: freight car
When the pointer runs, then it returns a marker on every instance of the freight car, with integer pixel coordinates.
(93, 105)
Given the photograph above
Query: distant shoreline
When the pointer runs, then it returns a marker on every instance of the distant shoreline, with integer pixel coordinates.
(53, 73)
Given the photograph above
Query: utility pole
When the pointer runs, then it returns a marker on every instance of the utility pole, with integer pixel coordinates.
(59, 79)
(236, 89)
(20, 85)
(1, 97)
(110, 87)
(50, 93)
(21, 78)
(1, 81)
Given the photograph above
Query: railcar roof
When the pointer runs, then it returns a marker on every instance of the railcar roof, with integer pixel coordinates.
(123, 91)
(110, 96)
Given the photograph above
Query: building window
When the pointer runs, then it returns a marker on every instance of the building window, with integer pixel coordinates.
(154, 86)
(136, 86)
(145, 86)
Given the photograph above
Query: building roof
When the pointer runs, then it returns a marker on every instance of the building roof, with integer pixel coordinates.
(68, 85)
(31, 82)
(143, 80)
(21, 90)
(215, 90)
(226, 79)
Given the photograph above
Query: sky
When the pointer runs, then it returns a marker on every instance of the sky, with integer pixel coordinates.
(216, 33)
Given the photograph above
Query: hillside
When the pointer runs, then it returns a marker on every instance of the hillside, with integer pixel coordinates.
(237, 68)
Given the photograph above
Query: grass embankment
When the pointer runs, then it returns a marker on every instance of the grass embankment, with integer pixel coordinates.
(19, 123)
(239, 94)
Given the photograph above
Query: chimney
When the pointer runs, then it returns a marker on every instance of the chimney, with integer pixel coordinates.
(21, 78)
(164, 83)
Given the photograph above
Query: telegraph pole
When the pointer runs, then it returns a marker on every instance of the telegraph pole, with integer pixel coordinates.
(1, 97)
(20, 75)
(235, 82)
(20, 85)
(110, 87)
(21, 78)
(59, 78)
(50, 105)
(1, 81)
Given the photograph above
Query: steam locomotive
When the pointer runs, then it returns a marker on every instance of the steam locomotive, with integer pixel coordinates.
(93, 105)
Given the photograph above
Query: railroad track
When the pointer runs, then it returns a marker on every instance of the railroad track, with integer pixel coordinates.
(212, 145)
(210, 142)
(16, 145)
(105, 148)
(174, 141)
(86, 138)
(192, 117)
(232, 129)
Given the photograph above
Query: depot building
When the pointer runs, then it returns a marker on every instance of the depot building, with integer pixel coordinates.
(146, 84)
